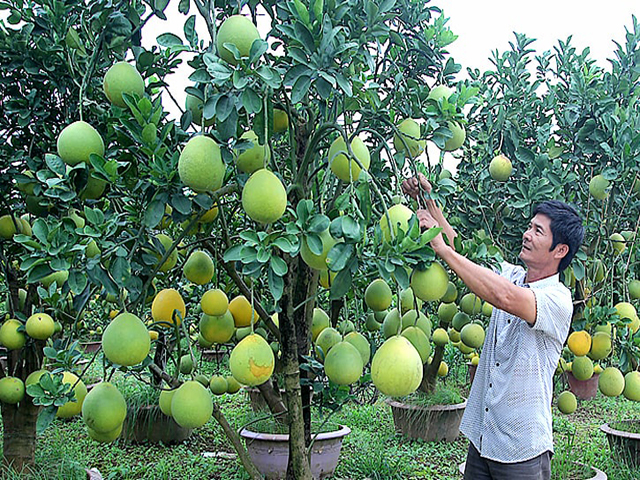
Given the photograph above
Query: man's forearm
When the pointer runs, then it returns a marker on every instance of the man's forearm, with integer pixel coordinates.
(436, 212)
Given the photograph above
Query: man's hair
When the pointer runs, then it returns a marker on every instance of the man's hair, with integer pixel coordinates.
(566, 227)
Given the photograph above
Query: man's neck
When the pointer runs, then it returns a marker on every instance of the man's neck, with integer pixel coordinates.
(533, 275)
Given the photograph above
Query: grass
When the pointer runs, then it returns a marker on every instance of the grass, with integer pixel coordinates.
(372, 451)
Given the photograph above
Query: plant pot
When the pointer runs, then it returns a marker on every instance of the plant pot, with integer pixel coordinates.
(432, 423)
(596, 474)
(270, 452)
(583, 389)
(91, 347)
(149, 424)
(625, 444)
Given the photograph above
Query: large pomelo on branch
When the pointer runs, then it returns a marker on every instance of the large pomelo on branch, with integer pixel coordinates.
(200, 165)
(500, 168)
(342, 163)
(77, 141)
(431, 283)
(126, 340)
(252, 361)
(253, 158)
(399, 216)
(239, 31)
(104, 408)
(191, 405)
(121, 78)
(264, 198)
(396, 368)
(409, 138)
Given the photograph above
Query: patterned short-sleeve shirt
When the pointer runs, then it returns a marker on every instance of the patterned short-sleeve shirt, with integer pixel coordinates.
(508, 413)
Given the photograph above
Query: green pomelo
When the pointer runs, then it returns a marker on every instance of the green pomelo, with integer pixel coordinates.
(459, 320)
(186, 364)
(104, 408)
(430, 284)
(40, 326)
(191, 405)
(166, 397)
(126, 340)
(472, 335)
(253, 158)
(72, 408)
(471, 304)
(396, 368)
(500, 168)
(319, 262)
(200, 165)
(598, 187)
(399, 215)
(408, 301)
(59, 277)
(567, 402)
(611, 382)
(11, 390)
(106, 437)
(343, 164)
(252, 361)
(319, 322)
(327, 338)
(121, 78)
(419, 340)
(10, 337)
(218, 385)
(362, 345)
(378, 295)
(408, 138)
(440, 337)
(237, 30)
(458, 138)
(446, 312)
(582, 368)
(217, 328)
(343, 364)
(391, 324)
(417, 319)
(77, 142)
(451, 294)
(264, 198)
(632, 386)
(199, 267)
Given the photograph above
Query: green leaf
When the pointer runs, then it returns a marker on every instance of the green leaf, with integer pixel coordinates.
(45, 417)
(341, 284)
(303, 13)
(224, 107)
(314, 242)
(77, 282)
(276, 284)
(40, 230)
(154, 213)
(318, 223)
(284, 244)
(233, 254)
(300, 88)
(339, 255)
(251, 101)
(190, 31)
(168, 40)
(181, 203)
(279, 266)
(258, 48)
(183, 6)
(55, 164)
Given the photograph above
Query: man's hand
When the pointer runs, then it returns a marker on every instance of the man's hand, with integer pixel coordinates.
(427, 221)
(413, 189)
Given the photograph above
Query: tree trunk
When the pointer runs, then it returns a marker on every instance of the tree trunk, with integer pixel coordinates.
(19, 435)
(298, 467)
(430, 371)
(273, 398)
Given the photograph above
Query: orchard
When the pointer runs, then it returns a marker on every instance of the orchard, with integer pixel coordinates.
(254, 213)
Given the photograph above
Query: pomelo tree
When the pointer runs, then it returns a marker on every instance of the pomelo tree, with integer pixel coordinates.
(105, 194)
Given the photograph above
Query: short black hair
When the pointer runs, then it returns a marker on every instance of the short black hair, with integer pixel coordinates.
(566, 227)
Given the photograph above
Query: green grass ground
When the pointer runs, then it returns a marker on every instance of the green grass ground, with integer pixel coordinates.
(372, 451)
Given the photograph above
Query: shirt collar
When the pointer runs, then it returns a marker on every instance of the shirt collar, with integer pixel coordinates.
(543, 282)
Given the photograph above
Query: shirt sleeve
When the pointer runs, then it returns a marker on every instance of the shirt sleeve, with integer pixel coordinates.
(554, 309)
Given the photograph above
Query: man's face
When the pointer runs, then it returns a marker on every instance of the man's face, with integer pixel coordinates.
(536, 242)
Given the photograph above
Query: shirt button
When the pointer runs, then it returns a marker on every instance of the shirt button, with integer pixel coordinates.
(497, 364)
(509, 321)
(490, 385)
(486, 409)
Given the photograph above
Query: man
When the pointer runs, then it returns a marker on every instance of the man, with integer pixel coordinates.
(508, 415)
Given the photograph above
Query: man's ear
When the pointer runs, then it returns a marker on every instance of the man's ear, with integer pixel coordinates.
(561, 250)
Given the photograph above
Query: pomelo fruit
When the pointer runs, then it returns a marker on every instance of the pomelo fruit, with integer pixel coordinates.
(217, 328)
(451, 294)
(214, 302)
(632, 386)
(200, 165)
(59, 277)
(105, 437)
(40, 326)
(362, 345)
(419, 340)
(567, 402)
(253, 158)
(471, 304)
(399, 215)
(446, 311)
(191, 405)
(264, 198)
(458, 138)
(440, 337)
(126, 340)
(579, 343)
(378, 295)
(326, 339)
(500, 168)
(10, 337)
(239, 31)
(472, 335)
(242, 311)
(77, 142)
(122, 77)
(600, 346)
(391, 324)
(408, 301)
(104, 408)
(280, 120)
(408, 138)
(218, 385)
(164, 304)
(440, 92)
(611, 382)
(199, 267)
(166, 396)
(72, 408)
(252, 360)
(319, 262)
(431, 283)
(343, 364)
(618, 243)
(396, 368)
(319, 322)
(598, 187)
(342, 164)
(417, 319)
(582, 368)
(11, 390)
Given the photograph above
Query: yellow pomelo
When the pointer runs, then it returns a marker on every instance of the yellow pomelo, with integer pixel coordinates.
(440, 92)
(567, 402)
(239, 31)
(582, 368)
(264, 198)
(121, 78)
(391, 324)
(408, 301)
(446, 312)
(326, 339)
(104, 408)
(431, 283)
(399, 215)
(342, 164)
(253, 158)
(472, 335)
(634, 289)
(600, 345)
(396, 368)
(378, 295)
(419, 340)
(8, 227)
(77, 141)
(106, 437)
(409, 138)
(210, 215)
(487, 309)
(417, 319)
(440, 337)
(59, 277)
(252, 361)
(200, 165)
(500, 168)
(618, 243)
(579, 343)
(598, 187)
(71, 409)
(451, 294)
(319, 322)
(164, 304)
(343, 364)
(10, 337)
(443, 369)
(471, 304)
(166, 396)
(191, 405)
(611, 382)
(11, 390)
(126, 340)
(280, 120)
(319, 262)
(458, 138)
(454, 335)
(214, 302)
(218, 385)
(199, 267)
(242, 311)
(597, 369)
(475, 360)
(362, 345)
(217, 328)
(153, 335)
(40, 326)
(632, 386)
(459, 320)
